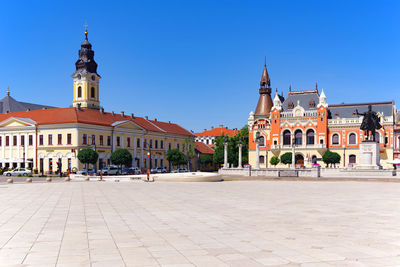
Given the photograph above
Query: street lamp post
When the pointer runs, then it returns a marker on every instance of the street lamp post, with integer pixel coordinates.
(240, 153)
(226, 143)
(293, 152)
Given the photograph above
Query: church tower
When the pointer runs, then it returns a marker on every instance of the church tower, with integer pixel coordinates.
(264, 104)
(86, 79)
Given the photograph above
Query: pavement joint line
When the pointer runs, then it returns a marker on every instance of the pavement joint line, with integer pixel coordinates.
(39, 207)
(86, 227)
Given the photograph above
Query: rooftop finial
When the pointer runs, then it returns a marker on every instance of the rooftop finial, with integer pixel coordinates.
(86, 32)
(290, 88)
(316, 86)
(265, 61)
(8, 91)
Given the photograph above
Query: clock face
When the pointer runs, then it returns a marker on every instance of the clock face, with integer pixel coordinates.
(93, 77)
(79, 77)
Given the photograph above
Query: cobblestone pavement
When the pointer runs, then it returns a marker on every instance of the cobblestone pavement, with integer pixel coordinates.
(252, 223)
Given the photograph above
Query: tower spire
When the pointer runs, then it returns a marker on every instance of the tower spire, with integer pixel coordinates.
(8, 91)
(86, 32)
(264, 104)
(265, 81)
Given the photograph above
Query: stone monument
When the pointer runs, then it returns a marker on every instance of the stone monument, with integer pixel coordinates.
(369, 148)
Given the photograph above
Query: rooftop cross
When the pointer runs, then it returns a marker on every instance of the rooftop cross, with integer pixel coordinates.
(86, 32)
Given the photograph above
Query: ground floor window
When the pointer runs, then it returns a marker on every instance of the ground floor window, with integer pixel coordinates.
(155, 163)
(69, 164)
(50, 165)
(352, 159)
(262, 159)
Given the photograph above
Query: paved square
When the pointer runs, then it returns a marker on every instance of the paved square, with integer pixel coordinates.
(252, 223)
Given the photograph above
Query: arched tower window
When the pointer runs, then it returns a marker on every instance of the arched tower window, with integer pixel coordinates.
(79, 91)
(352, 159)
(261, 140)
(92, 92)
(298, 137)
(262, 159)
(310, 137)
(286, 138)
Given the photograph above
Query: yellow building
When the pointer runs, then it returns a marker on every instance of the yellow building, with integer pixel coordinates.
(48, 137)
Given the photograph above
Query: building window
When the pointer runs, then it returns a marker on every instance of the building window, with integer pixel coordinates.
(14, 140)
(31, 140)
(93, 139)
(92, 92)
(262, 159)
(335, 139)
(298, 137)
(128, 142)
(286, 138)
(84, 139)
(352, 159)
(162, 144)
(352, 139)
(169, 146)
(101, 141)
(155, 143)
(138, 142)
(177, 146)
(155, 163)
(151, 143)
(310, 137)
(108, 140)
(69, 139)
(261, 140)
(79, 91)
(311, 104)
(145, 143)
(41, 140)
(0, 141)
(118, 141)
(377, 137)
(386, 140)
(22, 140)
(290, 105)
(50, 139)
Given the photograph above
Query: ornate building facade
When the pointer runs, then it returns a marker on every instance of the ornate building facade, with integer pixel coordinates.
(305, 122)
(47, 137)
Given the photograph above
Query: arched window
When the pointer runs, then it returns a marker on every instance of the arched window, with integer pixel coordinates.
(262, 140)
(262, 159)
(352, 159)
(311, 104)
(310, 137)
(79, 91)
(290, 105)
(314, 159)
(92, 92)
(352, 139)
(286, 138)
(377, 137)
(335, 139)
(298, 137)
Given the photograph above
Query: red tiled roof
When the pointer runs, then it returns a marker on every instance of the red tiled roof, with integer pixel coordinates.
(218, 132)
(203, 148)
(91, 116)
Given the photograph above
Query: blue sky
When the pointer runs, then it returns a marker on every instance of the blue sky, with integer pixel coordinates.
(198, 63)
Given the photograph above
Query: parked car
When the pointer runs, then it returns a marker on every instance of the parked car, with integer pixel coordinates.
(159, 170)
(127, 171)
(18, 171)
(111, 170)
(87, 172)
(180, 170)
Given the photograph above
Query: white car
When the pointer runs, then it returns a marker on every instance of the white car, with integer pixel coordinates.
(111, 170)
(18, 171)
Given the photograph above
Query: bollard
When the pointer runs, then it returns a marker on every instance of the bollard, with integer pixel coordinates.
(48, 179)
(67, 179)
(148, 175)
(29, 180)
(10, 181)
(87, 178)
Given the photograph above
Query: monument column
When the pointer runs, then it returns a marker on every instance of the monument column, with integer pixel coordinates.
(225, 155)
(293, 153)
(240, 155)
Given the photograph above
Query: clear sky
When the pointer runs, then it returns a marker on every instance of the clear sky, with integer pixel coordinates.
(198, 63)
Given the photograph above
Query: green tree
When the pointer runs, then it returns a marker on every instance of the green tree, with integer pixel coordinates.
(275, 160)
(206, 159)
(121, 157)
(189, 152)
(176, 157)
(287, 158)
(88, 156)
(330, 157)
(233, 148)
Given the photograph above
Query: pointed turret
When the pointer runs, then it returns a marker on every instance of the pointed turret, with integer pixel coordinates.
(264, 104)
(85, 62)
(322, 100)
(277, 102)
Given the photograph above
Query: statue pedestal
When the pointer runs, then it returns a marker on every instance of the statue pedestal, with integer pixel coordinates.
(369, 155)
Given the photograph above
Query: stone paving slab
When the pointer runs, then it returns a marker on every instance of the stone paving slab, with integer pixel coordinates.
(253, 223)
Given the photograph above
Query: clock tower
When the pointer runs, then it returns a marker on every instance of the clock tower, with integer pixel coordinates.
(86, 78)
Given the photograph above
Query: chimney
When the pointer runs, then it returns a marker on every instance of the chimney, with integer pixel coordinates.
(205, 129)
(132, 116)
(102, 110)
(169, 121)
(146, 117)
(43, 108)
(28, 109)
(221, 126)
(155, 119)
(212, 127)
(78, 106)
(122, 114)
(112, 112)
